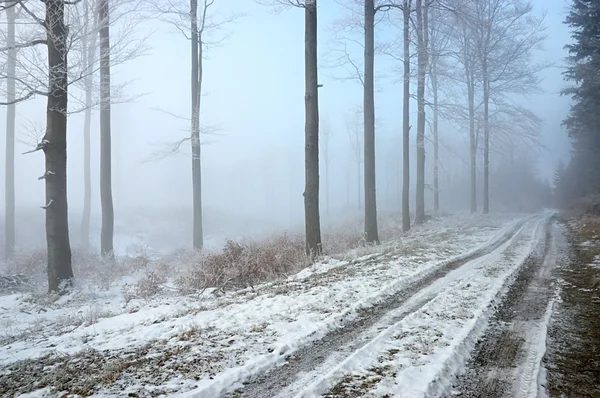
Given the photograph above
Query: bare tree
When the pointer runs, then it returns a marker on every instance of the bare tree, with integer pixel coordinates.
(312, 221)
(88, 53)
(54, 143)
(108, 217)
(438, 43)
(422, 31)
(200, 26)
(9, 201)
(406, 119)
(506, 34)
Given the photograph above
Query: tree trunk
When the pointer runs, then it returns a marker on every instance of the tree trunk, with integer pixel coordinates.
(472, 140)
(311, 133)
(60, 273)
(196, 42)
(436, 147)
(371, 233)
(421, 70)
(9, 201)
(89, 54)
(106, 201)
(406, 122)
(486, 137)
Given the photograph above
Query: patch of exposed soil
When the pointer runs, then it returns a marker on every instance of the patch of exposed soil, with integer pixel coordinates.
(573, 355)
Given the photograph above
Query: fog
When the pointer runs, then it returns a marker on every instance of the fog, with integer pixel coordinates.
(253, 163)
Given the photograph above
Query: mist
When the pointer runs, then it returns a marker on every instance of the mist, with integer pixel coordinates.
(252, 158)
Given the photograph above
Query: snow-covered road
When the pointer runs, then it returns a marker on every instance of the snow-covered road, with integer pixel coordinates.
(417, 346)
(211, 346)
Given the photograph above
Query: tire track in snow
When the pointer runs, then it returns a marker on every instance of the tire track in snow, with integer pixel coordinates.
(507, 361)
(308, 363)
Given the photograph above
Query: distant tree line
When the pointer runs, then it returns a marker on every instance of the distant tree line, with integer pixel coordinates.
(579, 180)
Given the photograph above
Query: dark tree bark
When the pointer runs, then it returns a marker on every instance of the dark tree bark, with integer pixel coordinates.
(406, 122)
(9, 187)
(106, 200)
(54, 144)
(371, 233)
(311, 148)
(422, 34)
(196, 85)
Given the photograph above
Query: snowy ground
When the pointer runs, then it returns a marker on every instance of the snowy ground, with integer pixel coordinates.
(207, 345)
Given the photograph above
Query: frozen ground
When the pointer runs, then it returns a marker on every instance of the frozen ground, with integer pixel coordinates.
(97, 342)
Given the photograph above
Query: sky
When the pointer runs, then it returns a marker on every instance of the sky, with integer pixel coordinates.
(253, 91)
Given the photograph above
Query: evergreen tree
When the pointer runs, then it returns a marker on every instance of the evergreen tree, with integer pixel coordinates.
(583, 121)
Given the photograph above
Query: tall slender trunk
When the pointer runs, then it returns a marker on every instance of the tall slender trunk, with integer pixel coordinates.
(88, 54)
(196, 75)
(311, 133)
(422, 34)
(472, 141)
(9, 187)
(106, 200)
(470, 83)
(436, 144)
(406, 122)
(486, 136)
(371, 233)
(60, 273)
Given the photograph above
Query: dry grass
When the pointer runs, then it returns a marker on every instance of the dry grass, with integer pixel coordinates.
(244, 265)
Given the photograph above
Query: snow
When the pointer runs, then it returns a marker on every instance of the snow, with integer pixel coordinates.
(412, 357)
(243, 333)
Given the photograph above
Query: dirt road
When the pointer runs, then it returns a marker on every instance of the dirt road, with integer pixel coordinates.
(308, 372)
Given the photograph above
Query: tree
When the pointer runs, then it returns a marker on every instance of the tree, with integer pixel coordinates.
(311, 191)
(506, 34)
(312, 223)
(582, 177)
(371, 233)
(108, 217)
(88, 54)
(54, 142)
(199, 24)
(9, 201)
(438, 43)
(422, 30)
(406, 119)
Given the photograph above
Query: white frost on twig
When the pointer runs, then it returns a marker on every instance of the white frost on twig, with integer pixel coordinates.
(46, 174)
(39, 146)
(48, 205)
